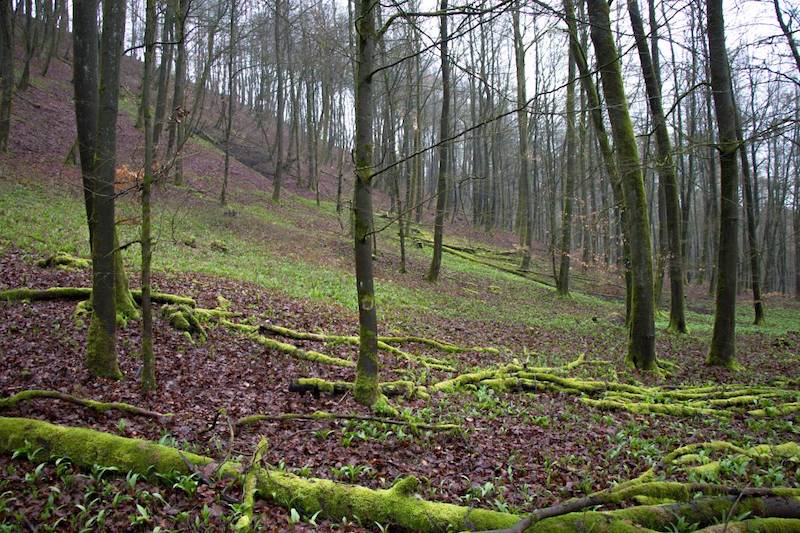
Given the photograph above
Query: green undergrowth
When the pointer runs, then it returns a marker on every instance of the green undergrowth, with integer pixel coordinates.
(43, 220)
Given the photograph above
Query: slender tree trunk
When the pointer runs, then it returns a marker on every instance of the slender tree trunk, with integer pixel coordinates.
(641, 345)
(148, 359)
(444, 157)
(163, 73)
(177, 131)
(30, 47)
(752, 242)
(723, 342)
(231, 86)
(569, 184)
(276, 190)
(6, 70)
(525, 207)
(666, 170)
(366, 383)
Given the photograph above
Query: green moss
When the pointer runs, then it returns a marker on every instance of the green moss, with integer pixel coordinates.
(382, 407)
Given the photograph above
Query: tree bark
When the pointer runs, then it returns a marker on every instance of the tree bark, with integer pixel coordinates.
(569, 184)
(366, 384)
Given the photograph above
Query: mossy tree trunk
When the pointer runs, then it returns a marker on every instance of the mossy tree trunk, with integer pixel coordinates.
(366, 385)
(148, 359)
(665, 165)
(641, 342)
(7, 68)
(444, 152)
(723, 341)
(98, 178)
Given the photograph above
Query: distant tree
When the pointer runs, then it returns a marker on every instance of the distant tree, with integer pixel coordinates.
(444, 156)
(723, 340)
(281, 95)
(6, 70)
(525, 205)
(641, 338)
(570, 176)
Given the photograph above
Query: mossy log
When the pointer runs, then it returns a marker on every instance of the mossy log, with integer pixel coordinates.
(755, 525)
(83, 293)
(33, 394)
(643, 408)
(317, 386)
(398, 505)
(324, 415)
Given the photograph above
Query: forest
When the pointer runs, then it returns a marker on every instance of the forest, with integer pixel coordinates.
(496, 266)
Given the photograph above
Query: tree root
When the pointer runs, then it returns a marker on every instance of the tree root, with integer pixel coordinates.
(249, 488)
(429, 362)
(309, 355)
(317, 386)
(323, 415)
(398, 505)
(33, 394)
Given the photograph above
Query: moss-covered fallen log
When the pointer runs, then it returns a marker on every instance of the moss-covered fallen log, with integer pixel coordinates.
(83, 293)
(755, 525)
(34, 394)
(398, 505)
(324, 415)
(318, 386)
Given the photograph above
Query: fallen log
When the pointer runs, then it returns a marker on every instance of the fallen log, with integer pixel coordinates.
(84, 293)
(318, 386)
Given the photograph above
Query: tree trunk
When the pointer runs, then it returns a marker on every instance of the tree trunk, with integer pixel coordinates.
(163, 73)
(569, 184)
(177, 130)
(229, 121)
(7, 70)
(148, 359)
(276, 189)
(666, 169)
(525, 207)
(366, 384)
(444, 133)
(641, 344)
(723, 342)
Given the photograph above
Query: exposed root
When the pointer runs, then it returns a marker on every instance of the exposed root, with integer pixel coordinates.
(249, 486)
(317, 386)
(28, 395)
(399, 505)
(83, 293)
(309, 355)
(324, 415)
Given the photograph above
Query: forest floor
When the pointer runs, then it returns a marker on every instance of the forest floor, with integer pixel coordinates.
(289, 264)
